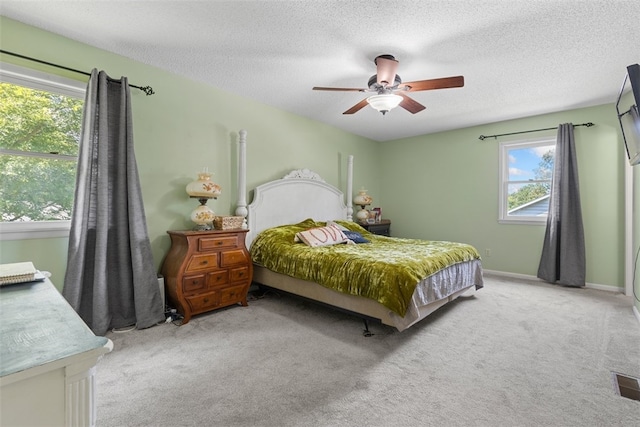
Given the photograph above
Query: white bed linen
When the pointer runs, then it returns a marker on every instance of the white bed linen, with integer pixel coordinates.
(460, 279)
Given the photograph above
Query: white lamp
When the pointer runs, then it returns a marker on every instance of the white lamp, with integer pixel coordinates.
(363, 200)
(203, 189)
(385, 102)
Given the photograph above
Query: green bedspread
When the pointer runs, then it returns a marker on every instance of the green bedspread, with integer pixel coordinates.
(387, 269)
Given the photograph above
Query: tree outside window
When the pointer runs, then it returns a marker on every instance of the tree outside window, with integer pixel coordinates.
(525, 185)
(39, 136)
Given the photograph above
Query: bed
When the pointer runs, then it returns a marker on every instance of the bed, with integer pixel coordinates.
(303, 200)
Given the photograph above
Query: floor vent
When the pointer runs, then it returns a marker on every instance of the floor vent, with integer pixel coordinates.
(626, 386)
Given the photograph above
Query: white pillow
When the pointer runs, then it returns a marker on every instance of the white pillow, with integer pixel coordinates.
(335, 224)
(322, 236)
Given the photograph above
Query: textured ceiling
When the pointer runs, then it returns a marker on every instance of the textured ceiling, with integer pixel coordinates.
(519, 58)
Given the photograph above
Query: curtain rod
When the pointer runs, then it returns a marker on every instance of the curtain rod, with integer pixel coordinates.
(483, 137)
(146, 89)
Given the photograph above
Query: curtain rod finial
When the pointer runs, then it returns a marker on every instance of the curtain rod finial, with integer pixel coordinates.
(148, 90)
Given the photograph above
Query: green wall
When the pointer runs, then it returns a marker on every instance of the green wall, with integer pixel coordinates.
(187, 125)
(439, 186)
(445, 186)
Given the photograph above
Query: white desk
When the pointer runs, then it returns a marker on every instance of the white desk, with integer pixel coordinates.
(47, 359)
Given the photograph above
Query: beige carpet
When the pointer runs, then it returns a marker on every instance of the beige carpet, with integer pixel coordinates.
(517, 354)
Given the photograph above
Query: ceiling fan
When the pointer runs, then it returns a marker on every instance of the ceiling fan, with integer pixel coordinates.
(390, 90)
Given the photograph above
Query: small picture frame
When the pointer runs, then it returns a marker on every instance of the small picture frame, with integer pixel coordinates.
(377, 214)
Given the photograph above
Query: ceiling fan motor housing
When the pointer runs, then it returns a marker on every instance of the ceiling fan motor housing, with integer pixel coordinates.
(373, 83)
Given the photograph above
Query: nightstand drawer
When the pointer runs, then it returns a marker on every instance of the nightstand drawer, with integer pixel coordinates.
(382, 228)
(211, 243)
(232, 258)
(193, 284)
(202, 262)
(379, 229)
(204, 302)
(232, 295)
(238, 274)
(217, 278)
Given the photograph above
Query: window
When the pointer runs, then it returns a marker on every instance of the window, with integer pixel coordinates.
(526, 169)
(40, 121)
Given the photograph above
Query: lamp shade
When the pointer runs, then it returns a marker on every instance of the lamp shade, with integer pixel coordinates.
(203, 187)
(363, 199)
(384, 102)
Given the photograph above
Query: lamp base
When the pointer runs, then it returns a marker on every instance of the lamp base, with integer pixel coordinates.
(362, 215)
(203, 217)
(202, 227)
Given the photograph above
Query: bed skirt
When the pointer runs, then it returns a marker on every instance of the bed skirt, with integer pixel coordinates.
(431, 293)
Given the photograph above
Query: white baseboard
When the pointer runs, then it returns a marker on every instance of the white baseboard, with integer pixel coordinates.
(637, 313)
(618, 289)
(511, 275)
(535, 279)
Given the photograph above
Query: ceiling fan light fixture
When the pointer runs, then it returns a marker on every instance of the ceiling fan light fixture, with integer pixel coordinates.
(384, 102)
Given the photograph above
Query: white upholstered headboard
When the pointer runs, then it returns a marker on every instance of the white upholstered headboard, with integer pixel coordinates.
(299, 195)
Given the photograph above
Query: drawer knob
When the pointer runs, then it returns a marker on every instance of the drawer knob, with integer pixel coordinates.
(205, 262)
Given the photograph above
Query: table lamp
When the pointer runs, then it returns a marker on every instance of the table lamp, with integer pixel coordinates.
(203, 189)
(363, 200)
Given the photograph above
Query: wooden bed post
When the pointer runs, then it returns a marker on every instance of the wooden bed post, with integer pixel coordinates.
(241, 207)
(349, 194)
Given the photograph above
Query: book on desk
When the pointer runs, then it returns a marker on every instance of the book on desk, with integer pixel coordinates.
(19, 272)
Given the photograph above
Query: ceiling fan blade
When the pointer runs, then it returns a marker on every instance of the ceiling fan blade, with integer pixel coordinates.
(410, 104)
(443, 83)
(359, 106)
(386, 70)
(339, 89)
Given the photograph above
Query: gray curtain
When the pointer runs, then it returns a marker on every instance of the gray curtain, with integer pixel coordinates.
(563, 253)
(110, 279)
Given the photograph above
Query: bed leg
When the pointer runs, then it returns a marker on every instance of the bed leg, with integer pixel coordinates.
(366, 332)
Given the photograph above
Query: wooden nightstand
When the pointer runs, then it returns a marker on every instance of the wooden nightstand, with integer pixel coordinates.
(206, 270)
(383, 227)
